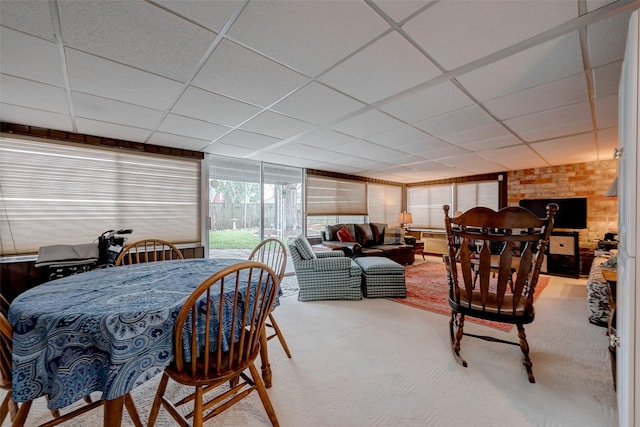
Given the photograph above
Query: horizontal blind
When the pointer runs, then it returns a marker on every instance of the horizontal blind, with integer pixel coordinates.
(332, 196)
(64, 193)
(481, 193)
(385, 202)
(425, 204)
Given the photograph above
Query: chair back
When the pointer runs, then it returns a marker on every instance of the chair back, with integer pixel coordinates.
(479, 279)
(248, 291)
(6, 350)
(273, 253)
(148, 250)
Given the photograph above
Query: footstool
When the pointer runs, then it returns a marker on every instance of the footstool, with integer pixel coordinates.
(382, 278)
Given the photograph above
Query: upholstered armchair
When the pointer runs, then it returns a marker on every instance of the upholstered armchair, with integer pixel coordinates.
(324, 275)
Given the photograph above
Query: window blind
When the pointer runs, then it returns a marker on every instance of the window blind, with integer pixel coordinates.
(385, 202)
(332, 196)
(472, 194)
(65, 193)
(425, 204)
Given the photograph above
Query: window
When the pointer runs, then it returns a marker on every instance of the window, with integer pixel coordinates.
(472, 194)
(63, 193)
(332, 196)
(385, 203)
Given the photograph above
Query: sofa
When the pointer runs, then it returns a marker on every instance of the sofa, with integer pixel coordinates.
(370, 239)
(324, 275)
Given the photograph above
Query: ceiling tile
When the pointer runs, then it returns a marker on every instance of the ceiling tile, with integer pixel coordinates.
(400, 136)
(32, 17)
(564, 151)
(389, 65)
(97, 76)
(241, 138)
(356, 148)
(27, 93)
(236, 72)
(607, 111)
(458, 32)
(456, 121)
(227, 150)
(514, 158)
(558, 93)
(108, 110)
(156, 40)
(597, 4)
(526, 69)
(306, 152)
(480, 133)
(472, 163)
(399, 10)
(368, 123)
(30, 57)
(553, 123)
(429, 102)
(193, 128)
(423, 148)
(211, 14)
(606, 79)
(607, 39)
(308, 36)
(323, 138)
(110, 130)
(210, 107)
(178, 141)
(317, 104)
(382, 154)
(276, 125)
(444, 150)
(607, 142)
(38, 118)
(493, 143)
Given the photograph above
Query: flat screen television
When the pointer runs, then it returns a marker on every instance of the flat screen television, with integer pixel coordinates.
(572, 212)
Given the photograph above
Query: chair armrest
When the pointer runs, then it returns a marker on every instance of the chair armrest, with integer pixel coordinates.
(329, 254)
(350, 249)
(410, 240)
(330, 263)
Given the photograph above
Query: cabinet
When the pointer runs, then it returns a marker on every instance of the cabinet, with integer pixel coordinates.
(563, 254)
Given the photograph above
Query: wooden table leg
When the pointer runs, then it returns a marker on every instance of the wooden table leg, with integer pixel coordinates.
(113, 412)
(264, 356)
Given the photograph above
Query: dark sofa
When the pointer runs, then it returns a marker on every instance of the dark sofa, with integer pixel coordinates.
(371, 239)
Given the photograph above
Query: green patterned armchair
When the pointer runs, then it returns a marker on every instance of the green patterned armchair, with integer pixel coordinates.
(324, 275)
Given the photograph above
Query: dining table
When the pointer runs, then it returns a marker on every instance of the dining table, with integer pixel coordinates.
(107, 330)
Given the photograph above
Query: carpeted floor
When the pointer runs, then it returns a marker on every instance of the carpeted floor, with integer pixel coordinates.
(379, 363)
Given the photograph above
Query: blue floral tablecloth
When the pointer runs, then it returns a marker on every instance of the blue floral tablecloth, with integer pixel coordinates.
(107, 330)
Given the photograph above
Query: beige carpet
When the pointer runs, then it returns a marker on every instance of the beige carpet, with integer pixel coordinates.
(379, 363)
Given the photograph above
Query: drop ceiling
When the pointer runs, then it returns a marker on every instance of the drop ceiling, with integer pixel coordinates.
(404, 91)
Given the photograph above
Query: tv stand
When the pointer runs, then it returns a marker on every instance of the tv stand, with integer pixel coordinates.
(563, 254)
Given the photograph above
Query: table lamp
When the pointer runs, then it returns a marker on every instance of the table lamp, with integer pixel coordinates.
(404, 218)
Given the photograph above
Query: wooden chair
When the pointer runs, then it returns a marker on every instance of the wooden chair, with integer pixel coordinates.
(18, 416)
(273, 253)
(524, 239)
(244, 319)
(148, 250)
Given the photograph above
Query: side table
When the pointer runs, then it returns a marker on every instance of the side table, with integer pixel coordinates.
(418, 248)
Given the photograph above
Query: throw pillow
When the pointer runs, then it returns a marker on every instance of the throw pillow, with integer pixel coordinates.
(304, 247)
(364, 235)
(344, 235)
(394, 236)
(331, 231)
(378, 232)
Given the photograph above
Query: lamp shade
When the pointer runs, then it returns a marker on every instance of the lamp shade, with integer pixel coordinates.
(405, 218)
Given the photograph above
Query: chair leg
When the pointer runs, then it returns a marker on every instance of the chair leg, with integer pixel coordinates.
(198, 408)
(21, 416)
(131, 409)
(456, 326)
(157, 401)
(4, 408)
(524, 346)
(275, 326)
(264, 397)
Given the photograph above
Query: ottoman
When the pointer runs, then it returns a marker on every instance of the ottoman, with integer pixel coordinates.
(382, 278)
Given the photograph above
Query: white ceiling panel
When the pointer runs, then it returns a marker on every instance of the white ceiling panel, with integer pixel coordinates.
(309, 36)
(210, 14)
(400, 136)
(529, 68)
(238, 73)
(179, 141)
(210, 107)
(553, 123)
(444, 151)
(27, 93)
(33, 17)
(391, 65)
(398, 10)
(318, 104)
(276, 125)
(108, 110)
(241, 138)
(429, 102)
(606, 79)
(156, 41)
(493, 143)
(606, 34)
(456, 121)
(368, 123)
(514, 158)
(607, 111)
(480, 133)
(192, 128)
(38, 118)
(579, 148)
(356, 148)
(424, 147)
(323, 138)
(607, 142)
(30, 57)
(227, 150)
(558, 93)
(472, 163)
(111, 130)
(458, 32)
(382, 154)
(97, 76)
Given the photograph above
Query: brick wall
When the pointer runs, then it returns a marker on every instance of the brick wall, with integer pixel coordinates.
(590, 180)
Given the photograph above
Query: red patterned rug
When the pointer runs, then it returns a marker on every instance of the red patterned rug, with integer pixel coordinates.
(428, 288)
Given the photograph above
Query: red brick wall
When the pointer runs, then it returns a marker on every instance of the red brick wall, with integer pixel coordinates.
(590, 180)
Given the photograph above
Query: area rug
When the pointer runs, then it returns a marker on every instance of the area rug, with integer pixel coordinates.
(428, 288)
